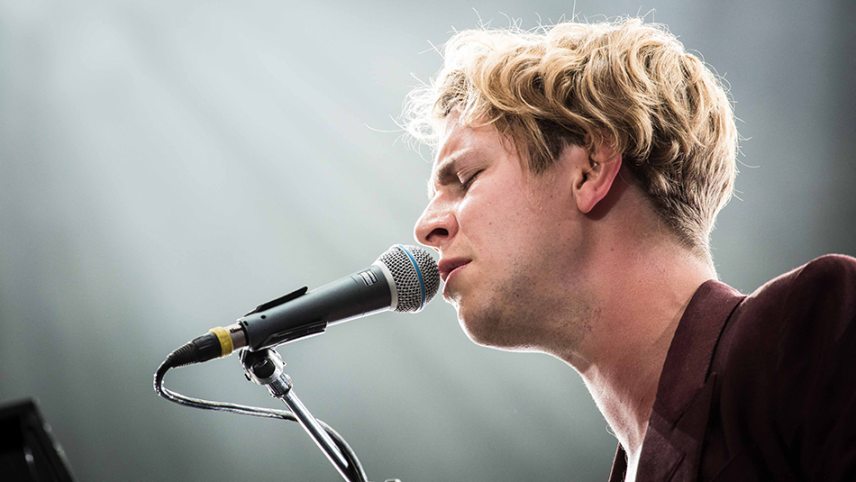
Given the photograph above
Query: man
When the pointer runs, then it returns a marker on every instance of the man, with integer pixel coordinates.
(577, 179)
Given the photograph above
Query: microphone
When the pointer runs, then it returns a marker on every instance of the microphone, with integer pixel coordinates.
(403, 278)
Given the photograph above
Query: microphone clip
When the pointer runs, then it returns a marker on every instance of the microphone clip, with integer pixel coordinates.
(264, 368)
(278, 301)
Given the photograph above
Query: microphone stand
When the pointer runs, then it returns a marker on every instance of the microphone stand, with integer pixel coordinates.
(265, 367)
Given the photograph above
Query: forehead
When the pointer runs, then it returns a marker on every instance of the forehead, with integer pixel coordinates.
(457, 142)
(455, 138)
(452, 133)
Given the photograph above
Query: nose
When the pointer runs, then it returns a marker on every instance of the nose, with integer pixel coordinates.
(436, 225)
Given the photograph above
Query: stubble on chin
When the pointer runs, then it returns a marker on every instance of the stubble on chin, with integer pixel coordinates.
(514, 318)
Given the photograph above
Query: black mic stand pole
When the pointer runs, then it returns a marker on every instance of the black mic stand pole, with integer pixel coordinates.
(265, 367)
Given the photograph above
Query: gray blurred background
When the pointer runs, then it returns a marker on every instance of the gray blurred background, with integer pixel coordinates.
(168, 165)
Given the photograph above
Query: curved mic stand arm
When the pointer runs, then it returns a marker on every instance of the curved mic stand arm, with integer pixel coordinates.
(265, 367)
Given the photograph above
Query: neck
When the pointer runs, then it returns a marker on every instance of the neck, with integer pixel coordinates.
(638, 300)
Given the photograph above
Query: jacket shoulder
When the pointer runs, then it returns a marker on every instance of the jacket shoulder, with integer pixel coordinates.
(804, 310)
(786, 359)
(829, 276)
(816, 298)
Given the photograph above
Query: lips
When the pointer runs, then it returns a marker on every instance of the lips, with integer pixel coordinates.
(446, 266)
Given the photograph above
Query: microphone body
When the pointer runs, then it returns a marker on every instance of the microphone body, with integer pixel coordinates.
(301, 314)
(404, 278)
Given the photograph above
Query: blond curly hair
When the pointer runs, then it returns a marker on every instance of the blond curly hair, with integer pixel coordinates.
(626, 83)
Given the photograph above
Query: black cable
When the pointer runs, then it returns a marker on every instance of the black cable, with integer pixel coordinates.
(186, 355)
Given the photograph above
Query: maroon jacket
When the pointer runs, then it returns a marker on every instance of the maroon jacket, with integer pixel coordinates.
(759, 387)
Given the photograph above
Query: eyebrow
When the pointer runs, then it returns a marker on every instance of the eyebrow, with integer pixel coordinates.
(446, 173)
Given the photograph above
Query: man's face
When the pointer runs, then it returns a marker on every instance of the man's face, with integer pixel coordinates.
(507, 239)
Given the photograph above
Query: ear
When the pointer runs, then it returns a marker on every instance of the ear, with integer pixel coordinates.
(595, 176)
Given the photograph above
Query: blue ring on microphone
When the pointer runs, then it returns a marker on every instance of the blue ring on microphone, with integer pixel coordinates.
(418, 274)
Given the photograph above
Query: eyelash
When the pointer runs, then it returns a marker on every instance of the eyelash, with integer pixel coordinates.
(466, 184)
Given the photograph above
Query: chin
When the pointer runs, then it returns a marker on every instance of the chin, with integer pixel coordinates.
(491, 330)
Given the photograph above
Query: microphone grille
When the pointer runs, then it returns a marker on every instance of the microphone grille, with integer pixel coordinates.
(415, 275)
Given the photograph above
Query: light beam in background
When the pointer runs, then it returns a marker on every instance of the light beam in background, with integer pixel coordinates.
(163, 164)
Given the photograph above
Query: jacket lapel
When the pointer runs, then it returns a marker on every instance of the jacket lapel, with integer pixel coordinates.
(676, 429)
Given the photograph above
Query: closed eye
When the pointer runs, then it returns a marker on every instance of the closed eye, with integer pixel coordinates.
(465, 185)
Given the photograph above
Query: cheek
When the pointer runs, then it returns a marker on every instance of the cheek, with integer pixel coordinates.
(475, 213)
(483, 218)
(497, 217)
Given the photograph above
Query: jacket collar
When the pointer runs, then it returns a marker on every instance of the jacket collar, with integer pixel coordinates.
(672, 445)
